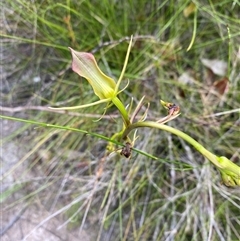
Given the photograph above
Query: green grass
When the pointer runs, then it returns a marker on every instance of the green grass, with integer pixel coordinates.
(175, 196)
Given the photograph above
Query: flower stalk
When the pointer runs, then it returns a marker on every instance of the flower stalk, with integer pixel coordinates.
(230, 172)
(122, 110)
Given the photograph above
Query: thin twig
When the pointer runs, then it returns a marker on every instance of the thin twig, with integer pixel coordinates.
(63, 112)
(222, 113)
(45, 108)
(13, 221)
(115, 42)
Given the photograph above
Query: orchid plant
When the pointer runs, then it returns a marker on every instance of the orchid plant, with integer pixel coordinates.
(85, 65)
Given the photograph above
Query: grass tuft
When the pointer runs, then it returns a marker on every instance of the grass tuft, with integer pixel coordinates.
(166, 190)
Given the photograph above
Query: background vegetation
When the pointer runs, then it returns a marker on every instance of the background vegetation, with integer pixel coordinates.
(178, 195)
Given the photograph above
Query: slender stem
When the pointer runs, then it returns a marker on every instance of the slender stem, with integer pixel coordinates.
(211, 157)
(122, 110)
(230, 172)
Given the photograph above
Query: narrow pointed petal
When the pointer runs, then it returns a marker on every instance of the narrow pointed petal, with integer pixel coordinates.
(80, 106)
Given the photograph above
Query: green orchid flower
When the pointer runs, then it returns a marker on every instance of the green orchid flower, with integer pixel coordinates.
(107, 90)
(85, 65)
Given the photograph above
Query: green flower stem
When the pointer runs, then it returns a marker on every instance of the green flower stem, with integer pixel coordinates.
(122, 109)
(222, 163)
(177, 132)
